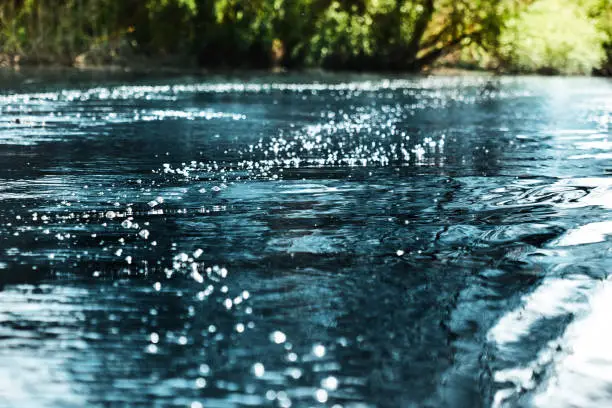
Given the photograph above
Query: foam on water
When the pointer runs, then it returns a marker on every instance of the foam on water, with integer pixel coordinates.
(552, 298)
(582, 373)
(585, 234)
(575, 367)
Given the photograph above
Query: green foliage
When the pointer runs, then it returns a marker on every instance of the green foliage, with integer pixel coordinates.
(570, 42)
(340, 34)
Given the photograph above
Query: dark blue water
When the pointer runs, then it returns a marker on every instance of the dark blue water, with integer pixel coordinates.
(305, 241)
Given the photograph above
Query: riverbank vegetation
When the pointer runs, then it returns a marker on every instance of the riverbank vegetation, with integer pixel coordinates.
(552, 36)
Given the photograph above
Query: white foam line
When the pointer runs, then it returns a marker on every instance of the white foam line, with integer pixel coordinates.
(600, 195)
(554, 297)
(582, 375)
(585, 234)
(596, 156)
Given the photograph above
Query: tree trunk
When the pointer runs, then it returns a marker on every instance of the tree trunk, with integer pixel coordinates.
(409, 54)
(432, 55)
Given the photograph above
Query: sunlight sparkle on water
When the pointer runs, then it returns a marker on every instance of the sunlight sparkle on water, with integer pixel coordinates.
(258, 369)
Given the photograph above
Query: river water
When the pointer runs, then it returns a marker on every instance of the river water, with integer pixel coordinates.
(297, 241)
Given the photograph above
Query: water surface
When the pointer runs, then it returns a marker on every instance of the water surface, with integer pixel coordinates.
(297, 241)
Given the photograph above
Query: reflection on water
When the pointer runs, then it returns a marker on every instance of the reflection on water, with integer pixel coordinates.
(289, 242)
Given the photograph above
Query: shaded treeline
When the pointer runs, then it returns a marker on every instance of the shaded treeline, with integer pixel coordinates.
(406, 35)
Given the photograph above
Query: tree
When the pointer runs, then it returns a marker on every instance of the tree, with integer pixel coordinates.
(571, 42)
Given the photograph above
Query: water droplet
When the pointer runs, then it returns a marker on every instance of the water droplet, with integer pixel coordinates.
(278, 337)
(318, 350)
(294, 373)
(321, 395)
(258, 369)
(330, 383)
(228, 303)
(204, 369)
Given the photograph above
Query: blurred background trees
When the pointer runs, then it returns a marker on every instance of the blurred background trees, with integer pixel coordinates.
(553, 36)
